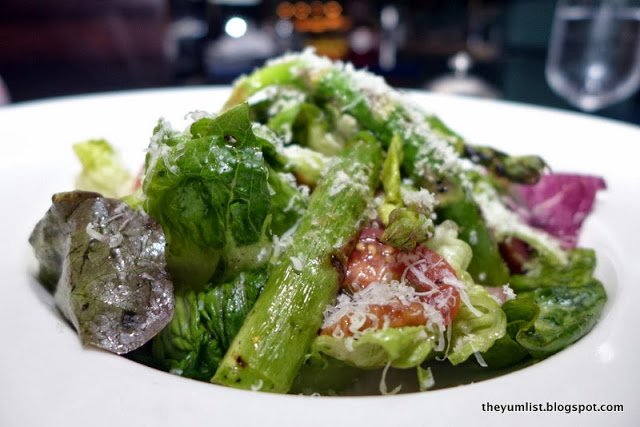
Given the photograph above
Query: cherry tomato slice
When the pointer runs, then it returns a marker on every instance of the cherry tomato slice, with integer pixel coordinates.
(371, 261)
(429, 272)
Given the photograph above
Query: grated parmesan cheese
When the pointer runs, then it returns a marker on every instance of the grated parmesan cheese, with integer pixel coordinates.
(383, 383)
(508, 292)
(283, 242)
(257, 386)
(297, 262)
(480, 359)
(423, 200)
(355, 307)
(343, 182)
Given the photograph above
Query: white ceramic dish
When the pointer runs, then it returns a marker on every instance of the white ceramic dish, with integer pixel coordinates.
(47, 378)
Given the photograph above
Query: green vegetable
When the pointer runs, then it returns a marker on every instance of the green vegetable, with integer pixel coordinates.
(520, 169)
(307, 165)
(445, 131)
(391, 180)
(287, 203)
(475, 328)
(209, 190)
(270, 348)
(339, 89)
(185, 347)
(407, 228)
(425, 378)
(391, 176)
(203, 325)
(311, 129)
(282, 73)
(324, 374)
(455, 251)
(405, 347)
(544, 274)
(546, 320)
(566, 314)
(102, 171)
(479, 321)
(487, 266)
(506, 352)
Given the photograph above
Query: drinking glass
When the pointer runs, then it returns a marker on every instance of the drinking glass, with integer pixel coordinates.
(594, 52)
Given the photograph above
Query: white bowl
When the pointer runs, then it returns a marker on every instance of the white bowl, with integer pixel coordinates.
(48, 378)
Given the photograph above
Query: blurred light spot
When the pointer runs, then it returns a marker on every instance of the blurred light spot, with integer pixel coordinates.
(389, 17)
(284, 28)
(332, 9)
(362, 40)
(236, 27)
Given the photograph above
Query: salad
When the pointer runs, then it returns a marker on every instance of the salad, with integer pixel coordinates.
(318, 229)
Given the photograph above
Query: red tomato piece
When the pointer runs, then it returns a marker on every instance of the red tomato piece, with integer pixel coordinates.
(370, 261)
(429, 272)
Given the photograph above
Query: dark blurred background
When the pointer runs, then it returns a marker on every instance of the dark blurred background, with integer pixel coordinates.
(63, 47)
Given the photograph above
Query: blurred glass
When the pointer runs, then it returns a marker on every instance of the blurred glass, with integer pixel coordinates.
(594, 52)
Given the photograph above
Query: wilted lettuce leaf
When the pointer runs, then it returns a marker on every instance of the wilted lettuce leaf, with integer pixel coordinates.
(105, 263)
(102, 171)
(209, 190)
(204, 325)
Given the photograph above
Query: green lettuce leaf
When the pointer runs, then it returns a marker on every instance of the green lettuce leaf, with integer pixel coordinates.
(287, 202)
(455, 251)
(102, 171)
(546, 320)
(204, 324)
(209, 190)
(565, 315)
(475, 329)
(405, 347)
(544, 274)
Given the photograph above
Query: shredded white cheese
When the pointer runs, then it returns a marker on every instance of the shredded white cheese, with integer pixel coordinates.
(355, 307)
(383, 383)
(283, 242)
(480, 359)
(257, 386)
(423, 200)
(343, 182)
(508, 292)
(297, 262)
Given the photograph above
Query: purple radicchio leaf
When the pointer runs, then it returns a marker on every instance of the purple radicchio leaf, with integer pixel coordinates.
(558, 203)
